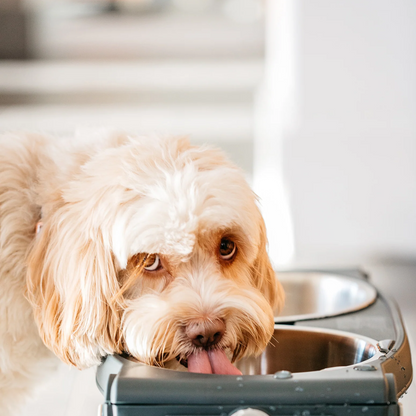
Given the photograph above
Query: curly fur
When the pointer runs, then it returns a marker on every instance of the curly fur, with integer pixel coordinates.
(79, 286)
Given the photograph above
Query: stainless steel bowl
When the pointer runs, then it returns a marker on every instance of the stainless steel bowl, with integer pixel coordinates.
(301, 349)
(311, 295)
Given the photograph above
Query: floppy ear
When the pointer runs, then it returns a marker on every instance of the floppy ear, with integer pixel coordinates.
(71, 283)
(264, 276)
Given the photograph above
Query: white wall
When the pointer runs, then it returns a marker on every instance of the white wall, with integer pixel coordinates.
(349, 160)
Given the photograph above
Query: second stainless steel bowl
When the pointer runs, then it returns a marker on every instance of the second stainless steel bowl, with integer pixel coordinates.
(311, 295)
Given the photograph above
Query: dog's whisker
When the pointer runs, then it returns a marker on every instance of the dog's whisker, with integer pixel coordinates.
(275, 340)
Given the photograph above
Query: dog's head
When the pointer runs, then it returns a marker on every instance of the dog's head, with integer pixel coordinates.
(157, 249)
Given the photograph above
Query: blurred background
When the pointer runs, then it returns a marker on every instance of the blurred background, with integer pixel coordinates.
(315, 100)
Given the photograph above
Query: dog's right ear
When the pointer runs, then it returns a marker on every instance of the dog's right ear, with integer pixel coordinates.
(264, 275)
(71, 284)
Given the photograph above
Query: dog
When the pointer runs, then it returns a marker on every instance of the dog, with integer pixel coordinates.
(113, 244)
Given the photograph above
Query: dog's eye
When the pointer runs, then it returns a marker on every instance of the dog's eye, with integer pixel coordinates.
(227, 249)
(152, 262)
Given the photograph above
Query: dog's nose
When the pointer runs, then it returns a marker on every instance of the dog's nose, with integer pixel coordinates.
(205, 333)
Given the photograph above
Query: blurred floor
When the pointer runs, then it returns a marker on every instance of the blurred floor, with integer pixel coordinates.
(32, 97)
(69, 392)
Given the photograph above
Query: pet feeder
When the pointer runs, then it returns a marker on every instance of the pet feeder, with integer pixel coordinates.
(342, 350)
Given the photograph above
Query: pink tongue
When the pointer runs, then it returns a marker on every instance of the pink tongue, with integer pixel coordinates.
(221, 364)
(199, 363)
(211, 362)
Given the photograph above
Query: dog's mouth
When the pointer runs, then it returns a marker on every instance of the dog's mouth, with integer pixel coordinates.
(214, 361)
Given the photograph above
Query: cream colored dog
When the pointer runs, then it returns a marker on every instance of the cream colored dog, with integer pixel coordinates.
(115, 244)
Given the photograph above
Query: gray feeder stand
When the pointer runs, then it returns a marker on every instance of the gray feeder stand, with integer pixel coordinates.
(342, 350)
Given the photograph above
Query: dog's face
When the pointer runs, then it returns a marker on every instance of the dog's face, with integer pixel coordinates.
(155, 249)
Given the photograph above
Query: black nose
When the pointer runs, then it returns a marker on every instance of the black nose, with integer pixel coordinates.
(205, 333)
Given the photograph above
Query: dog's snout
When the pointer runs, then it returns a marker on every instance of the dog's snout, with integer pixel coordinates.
(205, 333)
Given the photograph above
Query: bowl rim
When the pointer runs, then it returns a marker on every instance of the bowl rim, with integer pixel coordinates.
(300, 328)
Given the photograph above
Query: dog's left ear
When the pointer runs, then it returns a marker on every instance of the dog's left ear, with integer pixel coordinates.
(264, 275)
(71, 284)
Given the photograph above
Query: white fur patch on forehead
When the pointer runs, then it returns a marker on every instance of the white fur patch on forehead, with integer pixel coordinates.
(179, 193)
(163, 219)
